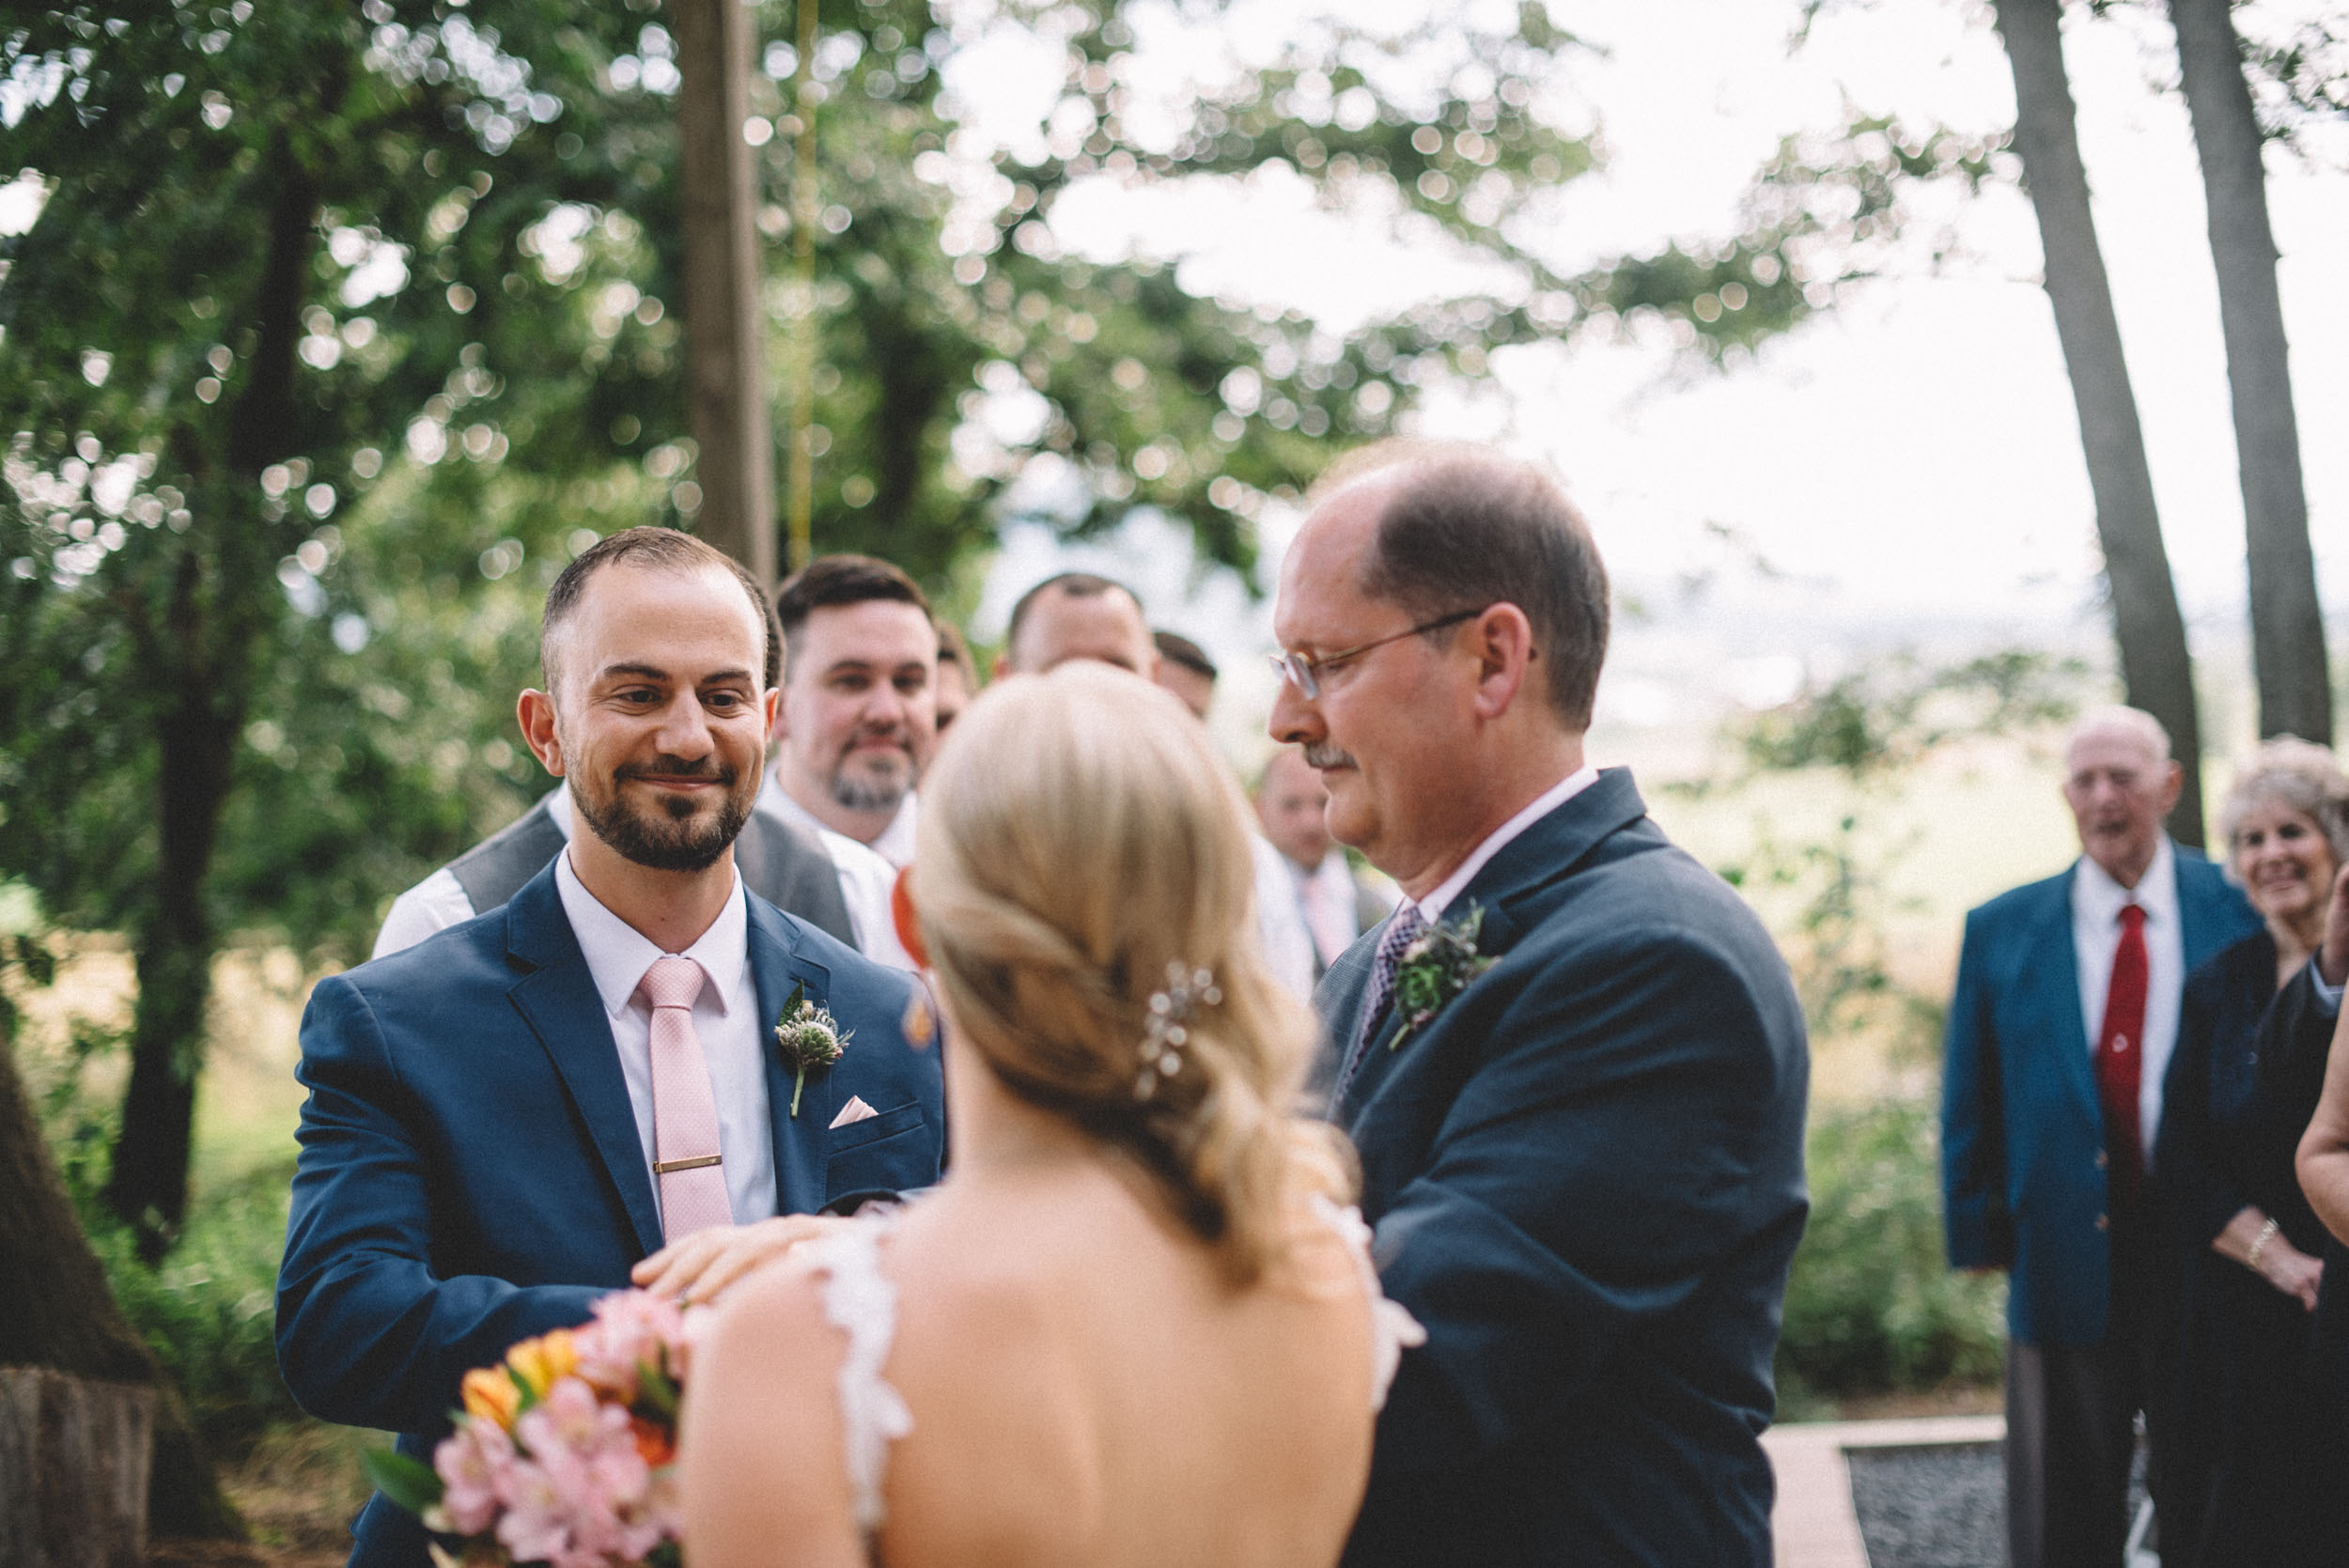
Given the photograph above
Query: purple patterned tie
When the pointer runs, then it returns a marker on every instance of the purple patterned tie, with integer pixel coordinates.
(1406, 925)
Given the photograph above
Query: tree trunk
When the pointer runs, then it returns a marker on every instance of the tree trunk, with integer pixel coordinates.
(725, 327)
(73, 1465)
(56, 1312)
(2156, 670)
(2287, 627)
(204, 656)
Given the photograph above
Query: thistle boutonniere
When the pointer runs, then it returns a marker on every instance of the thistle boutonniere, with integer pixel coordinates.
(810, 1037)
(1437, 965)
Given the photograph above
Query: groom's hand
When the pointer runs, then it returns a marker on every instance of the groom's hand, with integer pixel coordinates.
(707, 1262)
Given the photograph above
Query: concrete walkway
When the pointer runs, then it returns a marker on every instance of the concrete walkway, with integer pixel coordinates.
(1813, 1525)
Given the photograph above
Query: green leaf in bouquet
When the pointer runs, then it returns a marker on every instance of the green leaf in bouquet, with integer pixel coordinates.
(406, 1480)
(657, 1393)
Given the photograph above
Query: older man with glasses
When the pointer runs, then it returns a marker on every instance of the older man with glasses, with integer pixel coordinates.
(1572, 1060)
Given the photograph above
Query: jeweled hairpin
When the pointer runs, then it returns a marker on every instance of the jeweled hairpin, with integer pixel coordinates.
(1163, 1038)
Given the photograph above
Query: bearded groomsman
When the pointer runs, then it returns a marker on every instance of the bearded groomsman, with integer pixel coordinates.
(859, 702)
(1585, 1166)
(506, 1119)
(2066, 1011)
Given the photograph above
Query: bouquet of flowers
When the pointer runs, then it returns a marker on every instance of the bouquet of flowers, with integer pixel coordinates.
(564, 1453)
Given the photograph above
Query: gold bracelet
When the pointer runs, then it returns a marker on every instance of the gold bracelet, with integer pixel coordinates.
(2259, 1246)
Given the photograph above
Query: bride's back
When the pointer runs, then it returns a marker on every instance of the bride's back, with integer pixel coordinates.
(1088, 1388)
(1131, 1327)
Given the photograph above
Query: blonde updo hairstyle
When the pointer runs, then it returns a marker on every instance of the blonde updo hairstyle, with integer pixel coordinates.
(1078, 835)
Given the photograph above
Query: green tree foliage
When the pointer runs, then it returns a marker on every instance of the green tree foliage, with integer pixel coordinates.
(341, 328)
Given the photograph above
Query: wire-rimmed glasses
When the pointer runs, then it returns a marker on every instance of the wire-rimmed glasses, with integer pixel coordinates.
(1303, 670)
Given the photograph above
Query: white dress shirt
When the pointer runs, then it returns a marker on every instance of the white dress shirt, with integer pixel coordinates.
(1431, 907)
(1287, 946)
(2096, 904)
(895, 844)
(726, 1017)
(440, 901)
(1329, 898)
(866, 880)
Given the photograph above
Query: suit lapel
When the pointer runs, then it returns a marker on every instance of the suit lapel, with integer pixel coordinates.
(2050, 978)
(557, 998)
(778, 964)
(1549, 850)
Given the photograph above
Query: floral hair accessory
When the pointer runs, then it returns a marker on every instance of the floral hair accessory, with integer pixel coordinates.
(1168, 1032)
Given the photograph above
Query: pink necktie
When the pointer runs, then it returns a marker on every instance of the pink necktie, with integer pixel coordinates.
(685, 1154)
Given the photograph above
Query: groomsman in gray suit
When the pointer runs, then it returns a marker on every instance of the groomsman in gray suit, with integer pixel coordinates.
(1572, 1060)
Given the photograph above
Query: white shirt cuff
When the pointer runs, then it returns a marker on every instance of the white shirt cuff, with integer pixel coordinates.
(2327, 997)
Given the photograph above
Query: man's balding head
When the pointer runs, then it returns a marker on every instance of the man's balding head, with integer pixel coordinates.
(1077, 615)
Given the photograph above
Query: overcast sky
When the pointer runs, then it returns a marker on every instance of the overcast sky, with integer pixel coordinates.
(1911, 460)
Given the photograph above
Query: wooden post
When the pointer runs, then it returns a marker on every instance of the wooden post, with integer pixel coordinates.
(74, 1467)
(724, 334)
(806, 326)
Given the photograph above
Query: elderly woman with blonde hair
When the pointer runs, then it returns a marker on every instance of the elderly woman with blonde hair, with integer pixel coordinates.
(1132, 1325)
(2241, 1463)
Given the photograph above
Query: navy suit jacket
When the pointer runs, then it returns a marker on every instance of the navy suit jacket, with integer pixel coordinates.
(470, 1173)
(2022, 1131)
(1585, 1174)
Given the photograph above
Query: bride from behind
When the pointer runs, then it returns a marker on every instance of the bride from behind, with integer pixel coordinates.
(1131, 1327)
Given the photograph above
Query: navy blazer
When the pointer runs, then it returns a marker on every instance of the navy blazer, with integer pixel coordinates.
(470, 1173)
(2022, 1131)
(1586, 1178)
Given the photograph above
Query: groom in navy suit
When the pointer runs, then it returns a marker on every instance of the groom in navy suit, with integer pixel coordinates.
(581, 1088)
(1584, 1167)
(2067, 1009)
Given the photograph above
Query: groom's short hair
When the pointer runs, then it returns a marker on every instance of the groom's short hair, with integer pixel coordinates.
(1463, 528)
(661, 549)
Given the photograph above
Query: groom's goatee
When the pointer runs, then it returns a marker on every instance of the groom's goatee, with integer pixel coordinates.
(1328, 756)
(674, 844)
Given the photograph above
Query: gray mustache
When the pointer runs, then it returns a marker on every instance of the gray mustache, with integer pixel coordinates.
(1328, 756)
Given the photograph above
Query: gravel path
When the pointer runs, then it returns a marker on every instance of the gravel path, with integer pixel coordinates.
(1931, 1507)
(1938, 1507)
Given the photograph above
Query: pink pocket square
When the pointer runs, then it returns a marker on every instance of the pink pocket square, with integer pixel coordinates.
(855, 1111)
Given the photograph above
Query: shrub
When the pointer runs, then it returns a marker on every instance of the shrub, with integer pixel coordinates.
(1871, 1305)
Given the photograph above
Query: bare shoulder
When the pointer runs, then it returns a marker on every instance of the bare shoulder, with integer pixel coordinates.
(762, 1404)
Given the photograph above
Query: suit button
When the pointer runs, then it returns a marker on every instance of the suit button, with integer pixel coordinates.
(2103, 1224)
(2101, 1161)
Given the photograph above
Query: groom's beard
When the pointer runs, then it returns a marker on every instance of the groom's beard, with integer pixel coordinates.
(1328, 757)
(680, 836)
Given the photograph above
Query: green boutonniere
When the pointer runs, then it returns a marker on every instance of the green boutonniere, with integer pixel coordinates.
(810, 1037)
(1436, 967)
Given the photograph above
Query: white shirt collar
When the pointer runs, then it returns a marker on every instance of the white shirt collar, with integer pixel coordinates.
(895, 844)
(2098, 897)
(618, 955)
(1431, 907)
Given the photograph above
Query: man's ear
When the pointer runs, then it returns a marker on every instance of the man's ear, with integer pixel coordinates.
(2174, 784)
(535, 711)
(1003, 666)
(1502, 639)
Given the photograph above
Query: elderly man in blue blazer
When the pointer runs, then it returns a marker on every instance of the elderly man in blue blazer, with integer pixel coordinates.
(2065, 1014)
(584, 1088)
(1572, 1060)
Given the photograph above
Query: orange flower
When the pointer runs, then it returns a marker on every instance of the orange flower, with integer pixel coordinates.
(652, 1442)
(489, 1395)
(540, 1361)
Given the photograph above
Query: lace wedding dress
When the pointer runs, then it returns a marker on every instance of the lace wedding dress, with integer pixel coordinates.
(862, 1301)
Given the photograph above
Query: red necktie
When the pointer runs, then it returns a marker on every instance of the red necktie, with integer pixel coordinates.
(2120, 1049)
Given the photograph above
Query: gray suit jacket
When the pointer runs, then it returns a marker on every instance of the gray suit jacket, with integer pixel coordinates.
(784, 864)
